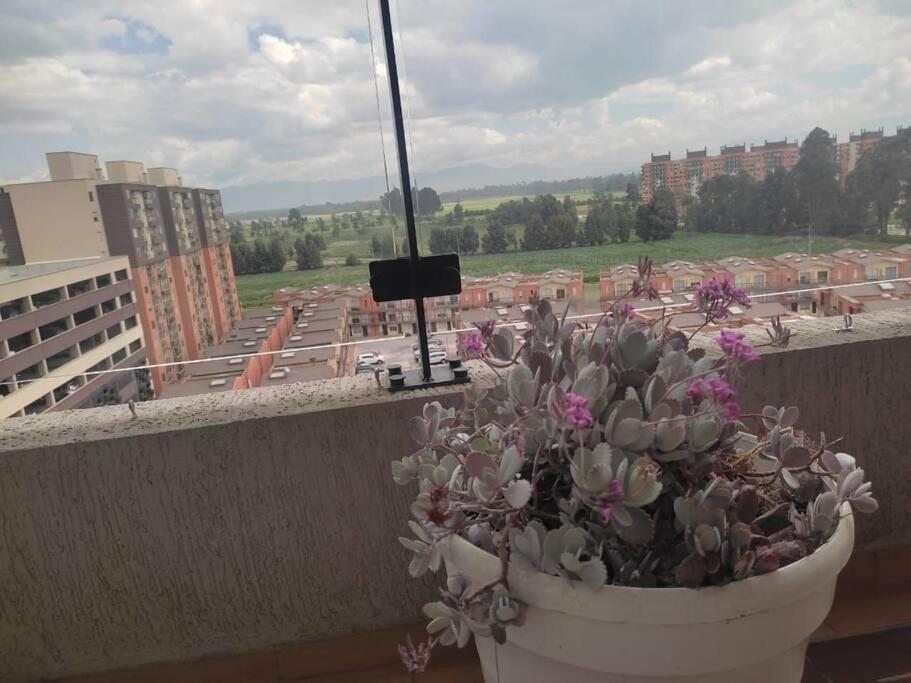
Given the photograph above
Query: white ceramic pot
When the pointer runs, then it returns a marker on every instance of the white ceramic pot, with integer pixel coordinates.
(752, 631)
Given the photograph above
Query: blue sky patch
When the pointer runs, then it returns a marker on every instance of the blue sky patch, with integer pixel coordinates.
(139, 38)
(621, 112)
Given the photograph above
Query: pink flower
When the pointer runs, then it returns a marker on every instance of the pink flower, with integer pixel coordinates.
(615, 494)
(472, 344)
(698, 390)
(615, 490)
(733, 344)
(714, 298)
(414, 657)
(719, 392)
(577, 414)
(625, 311)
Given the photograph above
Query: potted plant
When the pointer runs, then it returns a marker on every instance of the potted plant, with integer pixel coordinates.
(605, 513)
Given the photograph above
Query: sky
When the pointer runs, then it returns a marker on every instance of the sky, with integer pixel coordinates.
(237, 93)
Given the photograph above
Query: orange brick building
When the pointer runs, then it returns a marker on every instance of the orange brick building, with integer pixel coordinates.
(686, 176)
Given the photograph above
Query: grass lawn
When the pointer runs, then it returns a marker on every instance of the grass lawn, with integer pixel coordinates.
(490, 203)
(256, 290)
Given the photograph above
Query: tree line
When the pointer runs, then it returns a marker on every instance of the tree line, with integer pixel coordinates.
(809, 196)
(615, 182)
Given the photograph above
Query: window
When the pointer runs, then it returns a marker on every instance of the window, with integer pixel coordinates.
(113, 331)
(758, 280)
(103, 280)
(621, 288)
(130, 322)
(891, 272)
(822, 277)
(679, 285)
(119, 355)
(121, 275)
(561, 293)
(83, 316)
(806, 278)
(91, 196)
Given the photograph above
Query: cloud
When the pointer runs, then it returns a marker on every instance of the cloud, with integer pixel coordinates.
(242, 93)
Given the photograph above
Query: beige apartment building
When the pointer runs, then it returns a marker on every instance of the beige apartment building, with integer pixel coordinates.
(59, 323)
(174, 236)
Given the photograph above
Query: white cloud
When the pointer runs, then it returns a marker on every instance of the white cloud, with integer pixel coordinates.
(283, 89)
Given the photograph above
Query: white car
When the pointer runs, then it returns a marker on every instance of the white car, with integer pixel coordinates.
(370, 358)
(437, 357)
(433, 346)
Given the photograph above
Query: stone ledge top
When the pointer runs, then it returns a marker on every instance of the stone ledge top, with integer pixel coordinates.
(204, 410)
(166, 415)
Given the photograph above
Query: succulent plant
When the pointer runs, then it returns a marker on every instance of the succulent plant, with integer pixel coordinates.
(614, 454)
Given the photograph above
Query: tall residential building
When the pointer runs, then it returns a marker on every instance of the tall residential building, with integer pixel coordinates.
(59, 323)
(686, 176)
(175, 238)
(849, 152)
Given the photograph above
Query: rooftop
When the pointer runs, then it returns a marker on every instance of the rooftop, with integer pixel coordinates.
(33, 270)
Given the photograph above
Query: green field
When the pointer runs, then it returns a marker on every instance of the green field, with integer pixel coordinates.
(490, 203)
(256, 290)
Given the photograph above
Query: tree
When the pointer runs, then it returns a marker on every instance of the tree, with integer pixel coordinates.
(815, 177)
(662, 214)
(458, 213)
(261, 256)
(319, 240)
(535, 235)
(352, 260)
(236, 232)
(593, 232)
(497, 240)
(336, 231)
(295, 220)
(442, 241)
(320, 224)
(609, 221)
(428, 201)
(241, 257)
(309, 255)
(625, 222)
(880, 180)
(392, 202)
(644, 220)
(277, 255)
(382, 247)
(469, 240)
(632, 194)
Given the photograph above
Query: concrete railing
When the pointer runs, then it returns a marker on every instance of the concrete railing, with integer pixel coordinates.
(242, 520)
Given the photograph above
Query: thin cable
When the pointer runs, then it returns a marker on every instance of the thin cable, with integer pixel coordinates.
(441, 333)
(403, 60)
(379, 118)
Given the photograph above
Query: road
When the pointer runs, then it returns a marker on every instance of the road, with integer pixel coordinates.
(400, 351)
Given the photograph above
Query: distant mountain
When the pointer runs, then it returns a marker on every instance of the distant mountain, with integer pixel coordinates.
(284, 194)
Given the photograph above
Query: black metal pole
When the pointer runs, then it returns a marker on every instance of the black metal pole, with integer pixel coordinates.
(399, 122)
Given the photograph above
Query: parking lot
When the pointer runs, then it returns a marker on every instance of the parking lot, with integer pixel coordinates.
(399, 351)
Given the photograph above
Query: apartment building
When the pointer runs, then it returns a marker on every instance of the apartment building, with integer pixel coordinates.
(686, 176)
(175, 238)
(789, 278)
(59, 323)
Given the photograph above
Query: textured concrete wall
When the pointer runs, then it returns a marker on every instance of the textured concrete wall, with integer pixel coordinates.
(243, 519)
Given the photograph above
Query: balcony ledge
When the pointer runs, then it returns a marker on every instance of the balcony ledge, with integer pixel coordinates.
(244, 520)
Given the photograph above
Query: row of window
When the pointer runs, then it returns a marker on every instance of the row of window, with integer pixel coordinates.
(49, 297)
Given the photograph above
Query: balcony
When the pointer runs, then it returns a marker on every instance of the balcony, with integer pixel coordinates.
(203, 538)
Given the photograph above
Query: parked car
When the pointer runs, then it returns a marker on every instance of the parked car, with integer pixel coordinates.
(370, 358)
(433, 346)
(437, 357)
